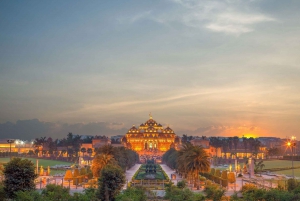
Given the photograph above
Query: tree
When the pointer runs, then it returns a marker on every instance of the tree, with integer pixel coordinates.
(258, 166)
(28, 196)
(19, 176)
(39, 143)
(132, 194)
(56, 192)
(68, 176)
(245, 142)
(235, 142)
(192, 160)
(83, 150)
(110, 183)
(100, 161)
(106, 149)
(89, 151)
(275, 151)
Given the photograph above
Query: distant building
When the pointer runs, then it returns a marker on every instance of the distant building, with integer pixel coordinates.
(99, 141)
(204, 142)
(18, 146)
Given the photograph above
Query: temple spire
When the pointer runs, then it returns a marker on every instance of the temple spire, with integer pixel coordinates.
(150, 115)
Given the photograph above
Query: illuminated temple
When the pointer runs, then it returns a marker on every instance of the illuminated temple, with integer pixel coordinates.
(151, 138)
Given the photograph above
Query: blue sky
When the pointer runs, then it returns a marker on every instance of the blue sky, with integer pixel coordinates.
(203, 67)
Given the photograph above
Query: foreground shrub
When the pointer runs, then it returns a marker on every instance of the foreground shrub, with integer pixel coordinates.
(210, 190)
(2, 192)
(132, 194)
(292, 184)
(278, 195)
(174, 193)
(248, 187)
(231, 177)
(56, 192)
(181, 184)
(19, 176)
(254, 194)
(28, 196)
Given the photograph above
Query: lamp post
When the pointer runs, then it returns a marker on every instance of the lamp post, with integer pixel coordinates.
(292, 144)
(10, 142)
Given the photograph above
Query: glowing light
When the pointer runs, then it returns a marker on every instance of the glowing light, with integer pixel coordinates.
(250, 135)
(289, 144)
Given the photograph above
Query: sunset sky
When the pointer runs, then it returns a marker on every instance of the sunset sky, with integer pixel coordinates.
(214, 68)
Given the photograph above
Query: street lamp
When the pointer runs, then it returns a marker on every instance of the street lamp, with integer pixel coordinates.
(10, 142)
(292, 144)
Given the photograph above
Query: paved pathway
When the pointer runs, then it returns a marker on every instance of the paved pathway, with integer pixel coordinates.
(129, 174)
(169, 171)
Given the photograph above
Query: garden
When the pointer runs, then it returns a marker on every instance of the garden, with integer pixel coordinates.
(44, 164)
(151, 176)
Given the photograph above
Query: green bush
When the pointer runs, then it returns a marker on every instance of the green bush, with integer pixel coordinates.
(248, 187)
(212, 171)
(181, 184)
(218, 173)
(19, 176)
(210, 190)
(224, 182)
(56, 192)
(254, 194)
(28, 196)
(292, 184)
(2, 192)
(231, 177)
(132, 194)
(224, 175)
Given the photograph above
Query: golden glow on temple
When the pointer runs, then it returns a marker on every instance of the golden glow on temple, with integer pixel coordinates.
(150, 137)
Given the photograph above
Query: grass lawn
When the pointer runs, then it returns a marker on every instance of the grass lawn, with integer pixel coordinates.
(283, 163)
(280, 163)
(44, 163)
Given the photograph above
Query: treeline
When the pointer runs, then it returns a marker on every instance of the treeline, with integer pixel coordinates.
(125, 158)
(170, 158)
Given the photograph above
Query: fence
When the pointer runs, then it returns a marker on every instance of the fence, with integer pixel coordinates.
(267, 183)
(42, 182)
(155, 184)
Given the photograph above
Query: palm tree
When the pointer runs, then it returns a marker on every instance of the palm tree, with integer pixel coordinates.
(192, 160)
(197, 161)
(251, 143)
(83, 150)
(39, 143)
(235, 142)
(230, 143)
(63, 152)
(245, 142)
(182, 155)
(225, 146)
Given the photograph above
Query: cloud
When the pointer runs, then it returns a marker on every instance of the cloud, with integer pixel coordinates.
(30, 129)
(236, 23)
(230, 17)
(227, 130)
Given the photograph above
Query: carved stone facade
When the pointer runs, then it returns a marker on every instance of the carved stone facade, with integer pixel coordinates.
(151, 137)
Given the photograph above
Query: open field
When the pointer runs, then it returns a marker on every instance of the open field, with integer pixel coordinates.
(44, 163)
(282, 164)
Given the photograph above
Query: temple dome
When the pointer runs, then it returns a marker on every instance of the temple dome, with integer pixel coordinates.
(133, 129)
(151, 122)
(168, 130)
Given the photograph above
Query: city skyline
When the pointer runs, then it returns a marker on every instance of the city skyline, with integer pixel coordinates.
(214, 68)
